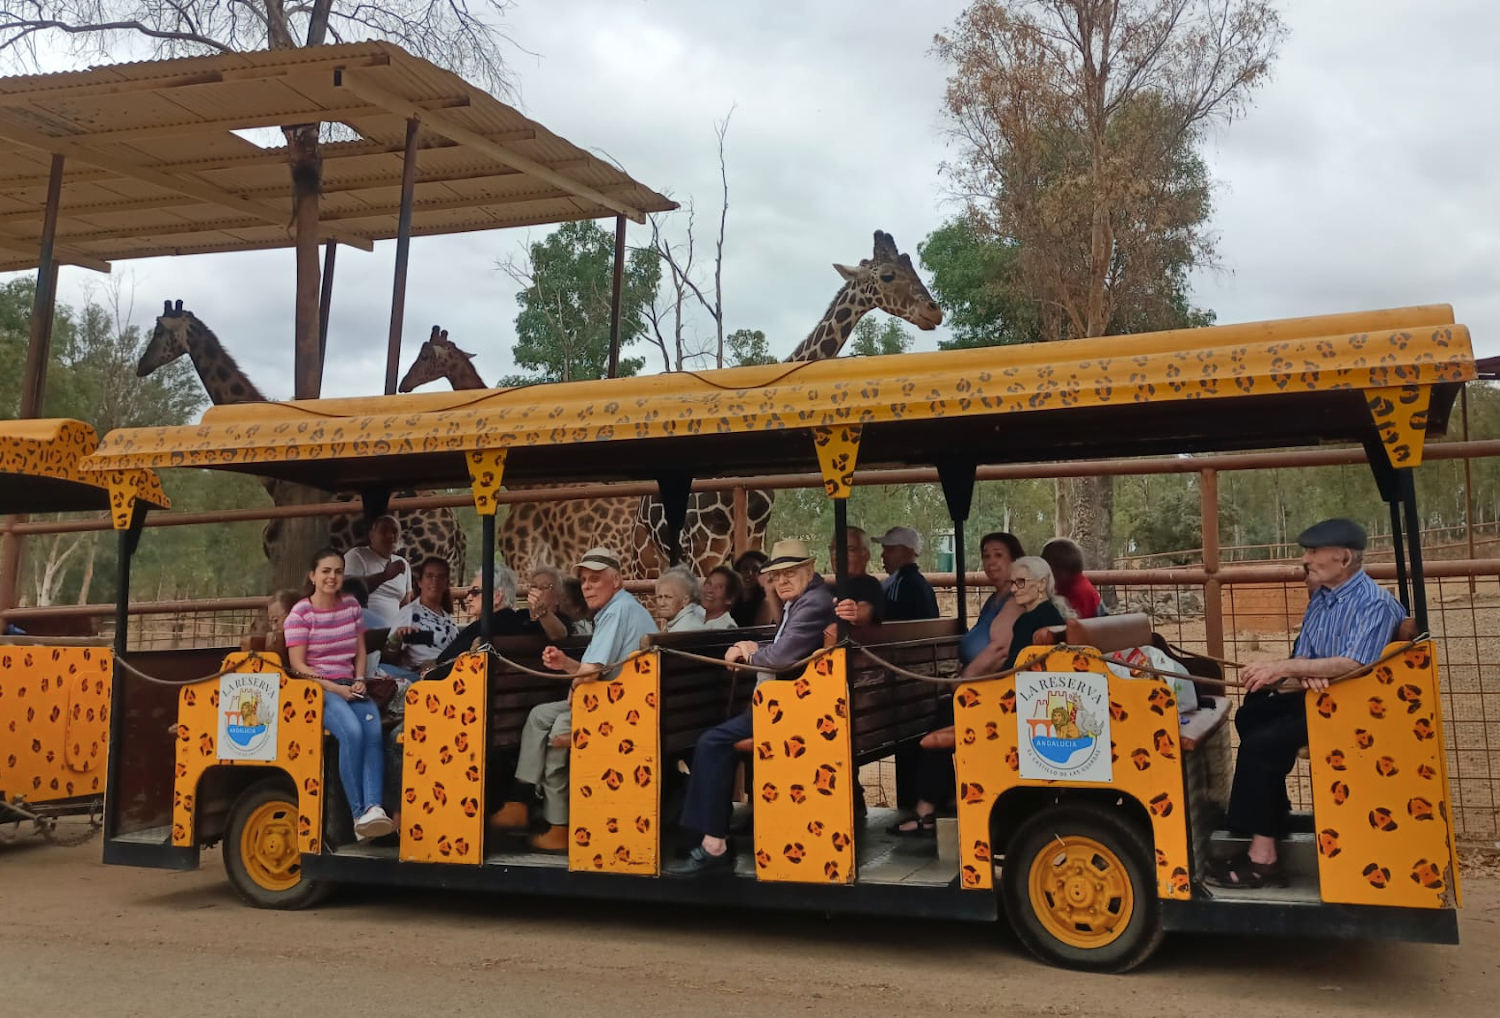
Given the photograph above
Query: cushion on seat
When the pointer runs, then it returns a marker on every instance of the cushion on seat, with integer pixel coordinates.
(1111, 632)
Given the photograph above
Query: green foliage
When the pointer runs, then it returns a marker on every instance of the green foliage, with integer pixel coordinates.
(562, 331)
(746, 347)
(872, 338)
(975, 280)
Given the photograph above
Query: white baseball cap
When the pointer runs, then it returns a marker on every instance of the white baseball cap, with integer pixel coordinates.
(902, 536)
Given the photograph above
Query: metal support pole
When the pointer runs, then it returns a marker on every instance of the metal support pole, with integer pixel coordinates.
(130, 539)
(10, 565)
(403, 249)
(487, 578)
(1213, 591)
(741, 535)
(616, 297)
(1414, 540)
(841, 556)
(1468, 490)
(34, 381)
(960, 579)
(1403, 591)
(325, 298)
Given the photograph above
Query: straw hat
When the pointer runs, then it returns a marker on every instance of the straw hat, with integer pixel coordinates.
(787, 554)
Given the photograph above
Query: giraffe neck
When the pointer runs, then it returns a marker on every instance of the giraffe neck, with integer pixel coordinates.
(850, 304)
(461, 374)
(219, 372)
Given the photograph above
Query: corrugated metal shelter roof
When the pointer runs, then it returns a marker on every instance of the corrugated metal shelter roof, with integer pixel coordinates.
(151, 166)
(39, 471)
(1383, 376)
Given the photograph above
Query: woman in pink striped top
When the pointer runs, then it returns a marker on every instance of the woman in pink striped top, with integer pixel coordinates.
(325, 641)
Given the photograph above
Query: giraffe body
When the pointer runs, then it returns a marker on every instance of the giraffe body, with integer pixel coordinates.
(424, 533)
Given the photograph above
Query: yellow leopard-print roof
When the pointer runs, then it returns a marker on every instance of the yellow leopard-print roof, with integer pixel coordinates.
(52, 449)
(1392, 357)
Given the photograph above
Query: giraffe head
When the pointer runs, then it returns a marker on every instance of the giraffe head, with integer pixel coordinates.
(169, 340)
(889, 279)
(438, 358)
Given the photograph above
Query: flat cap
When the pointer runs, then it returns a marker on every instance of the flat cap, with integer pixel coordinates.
(1335, 533)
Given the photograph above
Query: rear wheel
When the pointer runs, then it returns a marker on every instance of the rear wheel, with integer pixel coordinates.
(261, 854)
(1079, 889)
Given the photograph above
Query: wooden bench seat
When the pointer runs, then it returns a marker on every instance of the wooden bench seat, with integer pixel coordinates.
(697, 695)
(888, 710)
(512, 694)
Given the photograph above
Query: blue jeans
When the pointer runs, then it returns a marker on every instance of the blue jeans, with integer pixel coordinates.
(356, 726)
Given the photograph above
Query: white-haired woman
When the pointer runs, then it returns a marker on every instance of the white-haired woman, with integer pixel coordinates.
(1035, 593)
(678, 597)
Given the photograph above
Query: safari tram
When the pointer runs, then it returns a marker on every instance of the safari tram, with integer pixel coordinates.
(1091, 857)
(55, 690)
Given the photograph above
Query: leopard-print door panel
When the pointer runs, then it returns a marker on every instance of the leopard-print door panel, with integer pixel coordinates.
(54, 721)
(299, 747)
(614, 804)
(442, 766)
(804, 776)
(1380, 787)
(1144, 749)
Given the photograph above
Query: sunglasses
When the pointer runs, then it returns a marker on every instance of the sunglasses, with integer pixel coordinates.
(473, 592)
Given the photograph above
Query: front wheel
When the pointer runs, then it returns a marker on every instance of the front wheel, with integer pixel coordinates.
(1079, 889)
(261, 854)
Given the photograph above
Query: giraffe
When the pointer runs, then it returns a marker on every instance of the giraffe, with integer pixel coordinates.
(887, 281)
(534, 533)
(424, 533)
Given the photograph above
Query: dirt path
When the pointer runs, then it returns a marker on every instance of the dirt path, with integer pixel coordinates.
(79, 938)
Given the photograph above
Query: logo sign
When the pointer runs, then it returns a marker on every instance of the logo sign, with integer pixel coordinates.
(1063, 721)
(247, 715)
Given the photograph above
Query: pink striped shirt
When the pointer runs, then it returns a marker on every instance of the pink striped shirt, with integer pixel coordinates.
(331, 636)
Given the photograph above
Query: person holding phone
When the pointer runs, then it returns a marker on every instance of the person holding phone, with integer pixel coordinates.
(325, 641)
(426, 626)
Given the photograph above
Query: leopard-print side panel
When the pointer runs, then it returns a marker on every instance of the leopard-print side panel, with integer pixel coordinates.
(804, 768)
(55, 447)
(1380, 787)
(486, 473)
(1144, 748)
(54, 721)
(442, 766)
(838, 449)
(614, 805)
(1165, 367)
(1400, 415)
(299, 748)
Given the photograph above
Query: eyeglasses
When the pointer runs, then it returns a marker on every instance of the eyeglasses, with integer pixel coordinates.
(473, 592)
(538, 586)
(1020, 581)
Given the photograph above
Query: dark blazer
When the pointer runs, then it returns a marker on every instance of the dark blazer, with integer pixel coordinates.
(801, 631)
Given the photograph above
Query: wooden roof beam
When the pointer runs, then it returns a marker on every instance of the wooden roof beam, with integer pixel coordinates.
(277, 157)
(183, 185)
(307, 115)
(371, 92)
(65, 254)
(165, 83)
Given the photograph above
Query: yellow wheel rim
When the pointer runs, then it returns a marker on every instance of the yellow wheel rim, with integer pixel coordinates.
(268, 846)
(1081, 892)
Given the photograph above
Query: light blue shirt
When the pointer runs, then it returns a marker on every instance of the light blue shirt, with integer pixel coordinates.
(1356, 620)
(618, 629)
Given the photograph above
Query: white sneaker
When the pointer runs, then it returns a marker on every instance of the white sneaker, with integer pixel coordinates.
(373, 823)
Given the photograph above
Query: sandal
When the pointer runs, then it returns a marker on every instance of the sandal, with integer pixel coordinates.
(926, 826)
(1240, 872)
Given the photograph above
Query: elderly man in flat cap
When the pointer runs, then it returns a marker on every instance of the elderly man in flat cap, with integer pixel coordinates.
(620, 621)
(1348, 623)
(808, 611)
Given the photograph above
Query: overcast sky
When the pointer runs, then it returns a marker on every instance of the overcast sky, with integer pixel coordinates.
(1356, 181)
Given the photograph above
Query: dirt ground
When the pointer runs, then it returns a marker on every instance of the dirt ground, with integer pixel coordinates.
(79, 938)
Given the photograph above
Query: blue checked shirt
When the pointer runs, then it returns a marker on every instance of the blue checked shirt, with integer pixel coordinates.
(1356, 620)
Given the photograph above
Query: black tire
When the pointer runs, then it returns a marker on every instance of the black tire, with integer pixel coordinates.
(272, 806)
(1096, 879)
